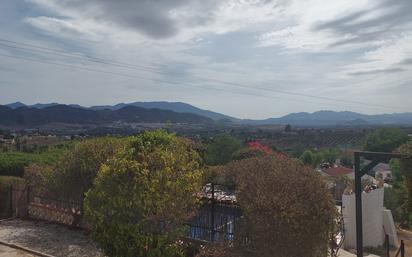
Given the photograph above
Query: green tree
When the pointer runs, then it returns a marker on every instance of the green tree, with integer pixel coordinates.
(330, 155)
(385, 140)
(143, 196)
(308, 157)
(74, 173)
(221, 150)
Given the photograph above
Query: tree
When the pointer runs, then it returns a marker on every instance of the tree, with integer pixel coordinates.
(385, 140)
(406, 170)
(284, 205)
(143, 196)
(74, 173)
(346, 160)
(221, 150)
(308, 157)
(329, 155)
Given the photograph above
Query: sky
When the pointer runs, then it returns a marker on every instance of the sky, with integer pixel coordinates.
(245, 58)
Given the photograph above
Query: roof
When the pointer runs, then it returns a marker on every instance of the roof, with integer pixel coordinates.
(338, 171)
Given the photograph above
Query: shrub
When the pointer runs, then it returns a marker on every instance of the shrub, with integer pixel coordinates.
(287, 209)
(143, 196)
(77, 168)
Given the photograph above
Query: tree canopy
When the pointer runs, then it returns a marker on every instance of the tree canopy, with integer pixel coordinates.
(74, 173)
(221, 150)
(385, 140)
(142, 197)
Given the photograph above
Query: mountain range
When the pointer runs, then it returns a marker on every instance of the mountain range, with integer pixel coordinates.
(185, 113)
(25, 116)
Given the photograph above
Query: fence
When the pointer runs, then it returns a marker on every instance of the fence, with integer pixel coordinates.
(217, 216)
(399, 253)
(6, 202)
(26, 203)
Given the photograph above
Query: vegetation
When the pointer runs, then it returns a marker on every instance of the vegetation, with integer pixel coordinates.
(5, 183)
(313, 159)
(74, 173)
(143, 195)
(284, 205)
(385, 140)
(13, 163)
(406, 170)
(221, 150)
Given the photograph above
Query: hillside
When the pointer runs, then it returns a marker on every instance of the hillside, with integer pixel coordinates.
(29, 117)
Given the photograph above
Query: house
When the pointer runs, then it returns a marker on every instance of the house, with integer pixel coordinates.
(339, 171)
(383, 170)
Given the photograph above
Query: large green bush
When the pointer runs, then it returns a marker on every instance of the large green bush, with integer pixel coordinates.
(75, 171)
(143, 196)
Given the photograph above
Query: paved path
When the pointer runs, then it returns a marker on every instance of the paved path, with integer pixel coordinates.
(48, 238)
(343, 253)
(6, 251)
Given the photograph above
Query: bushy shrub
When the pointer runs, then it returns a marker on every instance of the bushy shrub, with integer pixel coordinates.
(287, 209)
(75, 171)
(143, 196)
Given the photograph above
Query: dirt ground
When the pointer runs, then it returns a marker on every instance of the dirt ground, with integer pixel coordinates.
(406, 236)
(48, 238)
(6, 251)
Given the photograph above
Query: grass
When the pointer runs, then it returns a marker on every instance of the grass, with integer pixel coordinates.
(13, 163)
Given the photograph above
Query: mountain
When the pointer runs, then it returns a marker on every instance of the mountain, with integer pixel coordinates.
(29, 117)
(172, 106)
(15, 105)
(332, 118)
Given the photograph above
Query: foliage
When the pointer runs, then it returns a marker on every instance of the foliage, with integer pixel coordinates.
(308, 157)
(406, 170)
(284, 205)
(13, 163)
(75, 171)
(385, 140)
(329, 155)
(391, 202)
(346, 160)
(221, 150)
(5, 184)
(142, 197)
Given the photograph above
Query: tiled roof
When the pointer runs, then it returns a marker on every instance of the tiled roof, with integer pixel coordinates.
(338, 171)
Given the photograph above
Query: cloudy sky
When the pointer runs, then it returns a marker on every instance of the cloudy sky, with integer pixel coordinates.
(246, 58)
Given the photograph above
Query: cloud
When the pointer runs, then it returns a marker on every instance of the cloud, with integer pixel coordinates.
(407, 61)
(312, 47)
(373, 72)
(155, 19)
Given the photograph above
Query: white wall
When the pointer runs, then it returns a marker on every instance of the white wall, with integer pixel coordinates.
(372, 216)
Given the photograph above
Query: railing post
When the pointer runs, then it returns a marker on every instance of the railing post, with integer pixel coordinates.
(402, 249)
(387, 245)
(212, 210)
(358, 198)
(11, 201)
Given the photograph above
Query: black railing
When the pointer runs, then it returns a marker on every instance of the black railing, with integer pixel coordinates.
(216, 217)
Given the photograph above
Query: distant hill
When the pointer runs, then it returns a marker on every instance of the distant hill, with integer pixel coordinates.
(29, 117)
(316, 119)
(173, 106)
(332, 118)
